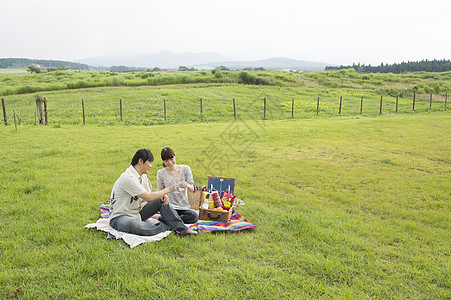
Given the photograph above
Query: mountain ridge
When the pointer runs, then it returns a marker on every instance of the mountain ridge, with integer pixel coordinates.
(162, 59)
(205, 60)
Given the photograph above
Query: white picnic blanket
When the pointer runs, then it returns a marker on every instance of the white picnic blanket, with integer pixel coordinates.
(132, 240)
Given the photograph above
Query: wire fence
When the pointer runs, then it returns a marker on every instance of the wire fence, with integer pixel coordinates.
(152, 111)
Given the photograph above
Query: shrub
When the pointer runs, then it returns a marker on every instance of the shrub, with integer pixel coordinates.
(78, 84)
(247, 78)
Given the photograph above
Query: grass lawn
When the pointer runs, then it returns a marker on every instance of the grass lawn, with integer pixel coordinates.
(345, 207)
(144, 105)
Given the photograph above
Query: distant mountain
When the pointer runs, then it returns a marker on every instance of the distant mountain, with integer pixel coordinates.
(275, 63)
(201, 61)
(163, 59)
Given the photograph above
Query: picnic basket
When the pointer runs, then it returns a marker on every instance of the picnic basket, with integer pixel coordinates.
(219, 184)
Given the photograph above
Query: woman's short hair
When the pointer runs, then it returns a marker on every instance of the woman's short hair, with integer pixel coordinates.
(143, 154)
(167, 153)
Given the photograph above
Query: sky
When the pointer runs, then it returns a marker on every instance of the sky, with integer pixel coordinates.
(335, 32)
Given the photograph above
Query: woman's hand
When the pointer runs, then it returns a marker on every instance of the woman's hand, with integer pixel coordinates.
(171, 188)
(186, 185)
(165, 200)
(183, 185)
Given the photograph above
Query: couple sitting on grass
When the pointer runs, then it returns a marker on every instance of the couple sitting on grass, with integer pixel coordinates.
(133, 188)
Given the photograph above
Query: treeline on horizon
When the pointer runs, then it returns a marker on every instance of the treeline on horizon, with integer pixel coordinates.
(43, 63)
(404, 67)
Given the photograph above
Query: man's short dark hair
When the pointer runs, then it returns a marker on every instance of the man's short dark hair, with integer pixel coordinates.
(143, 154)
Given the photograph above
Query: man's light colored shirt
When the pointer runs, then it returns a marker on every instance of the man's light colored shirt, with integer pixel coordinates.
(124, 196)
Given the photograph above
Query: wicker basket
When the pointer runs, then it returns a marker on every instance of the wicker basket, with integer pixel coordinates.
(215, 215)
(196, 200)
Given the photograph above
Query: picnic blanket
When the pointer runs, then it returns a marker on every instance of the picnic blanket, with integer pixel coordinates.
(237, 223)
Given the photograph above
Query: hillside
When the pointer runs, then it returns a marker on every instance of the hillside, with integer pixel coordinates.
(275, 63)
(43, 63)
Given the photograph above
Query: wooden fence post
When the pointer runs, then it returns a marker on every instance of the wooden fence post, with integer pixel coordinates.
(339, 111)
(292, 107)
(234, 108)
(264, 108)
(430, 101)
(39, 100)
(380, 109)
(15, 123)
(413, 105)
(446, 98)
(317, 107)
(201, 110)
(45, 112)
(5, 118)
(361, 105)
(396, 103)
(83, 107)
(165, 111)
(120, 106)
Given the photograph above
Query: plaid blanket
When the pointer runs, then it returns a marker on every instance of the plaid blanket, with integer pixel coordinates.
(237, 222)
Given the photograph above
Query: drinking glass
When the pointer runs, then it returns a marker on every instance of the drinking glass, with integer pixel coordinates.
(178, 180)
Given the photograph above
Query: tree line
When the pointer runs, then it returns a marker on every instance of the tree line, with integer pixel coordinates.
(43, 63)
(397, 68)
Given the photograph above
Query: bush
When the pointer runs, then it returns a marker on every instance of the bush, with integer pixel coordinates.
(247, 78)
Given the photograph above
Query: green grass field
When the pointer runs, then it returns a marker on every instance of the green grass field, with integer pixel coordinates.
(345, 207)
(145, 105)
(12, 71)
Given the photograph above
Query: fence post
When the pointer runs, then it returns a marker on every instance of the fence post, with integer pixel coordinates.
(430, 101)
(361, 105)
(6, 119)
(234, 108)
(165, 111)
(446, 98)
(201, 110)
(413, 105)
(380, 109)
(339, 111)
(45, 112)
(39, 100)
(292, 107)
(120, 105)
(317, 107)
(396, 103)
(15, 123)
(83, 107)
(264, 108)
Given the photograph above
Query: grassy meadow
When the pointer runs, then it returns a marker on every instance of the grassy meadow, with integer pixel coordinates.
(402, 85)
(12, 71)
(288, 95)
(144, 105)
(345, 207)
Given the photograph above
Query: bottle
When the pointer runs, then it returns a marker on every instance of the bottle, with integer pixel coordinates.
(209, 201)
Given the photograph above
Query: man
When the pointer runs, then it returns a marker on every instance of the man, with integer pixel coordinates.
(128, 194)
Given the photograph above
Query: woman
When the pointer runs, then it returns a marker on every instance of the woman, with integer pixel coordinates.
(182, 176)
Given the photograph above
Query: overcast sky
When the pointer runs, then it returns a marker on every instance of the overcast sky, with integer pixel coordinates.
(331, 31)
